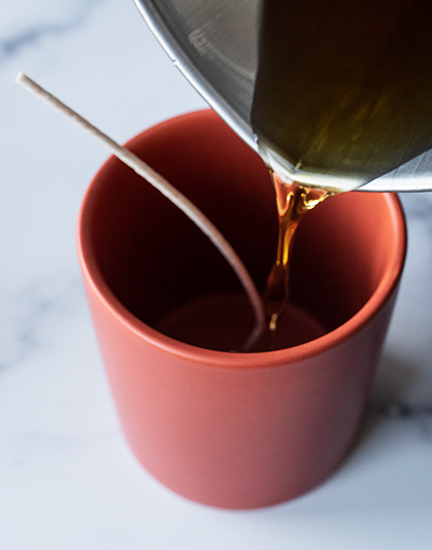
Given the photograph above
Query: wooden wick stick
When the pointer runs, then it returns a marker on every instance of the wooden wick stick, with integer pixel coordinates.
(162, 185)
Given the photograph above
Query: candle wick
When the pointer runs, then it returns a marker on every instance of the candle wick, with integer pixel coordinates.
(169, 191)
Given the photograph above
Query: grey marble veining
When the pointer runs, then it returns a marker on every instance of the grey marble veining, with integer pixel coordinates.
(27, 316)
(418, 206)
(28, 31)
(67, 478)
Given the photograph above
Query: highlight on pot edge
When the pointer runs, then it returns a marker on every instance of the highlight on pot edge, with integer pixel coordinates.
(335, 95)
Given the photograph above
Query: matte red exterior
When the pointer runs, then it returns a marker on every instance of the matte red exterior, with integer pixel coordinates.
(228, 429)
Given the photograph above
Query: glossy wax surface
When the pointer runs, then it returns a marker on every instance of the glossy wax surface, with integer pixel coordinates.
(67, 478)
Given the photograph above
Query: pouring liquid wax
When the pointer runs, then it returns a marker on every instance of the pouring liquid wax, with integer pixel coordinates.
(343, 95)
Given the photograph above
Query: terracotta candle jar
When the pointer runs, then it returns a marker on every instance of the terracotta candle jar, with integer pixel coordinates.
(234, 430)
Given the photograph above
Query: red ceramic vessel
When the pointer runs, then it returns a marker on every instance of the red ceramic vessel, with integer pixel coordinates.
(227, 429)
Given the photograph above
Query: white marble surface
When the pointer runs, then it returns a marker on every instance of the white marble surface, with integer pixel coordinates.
(67, 478)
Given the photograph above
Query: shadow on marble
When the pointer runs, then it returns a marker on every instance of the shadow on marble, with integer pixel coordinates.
(395, 377)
